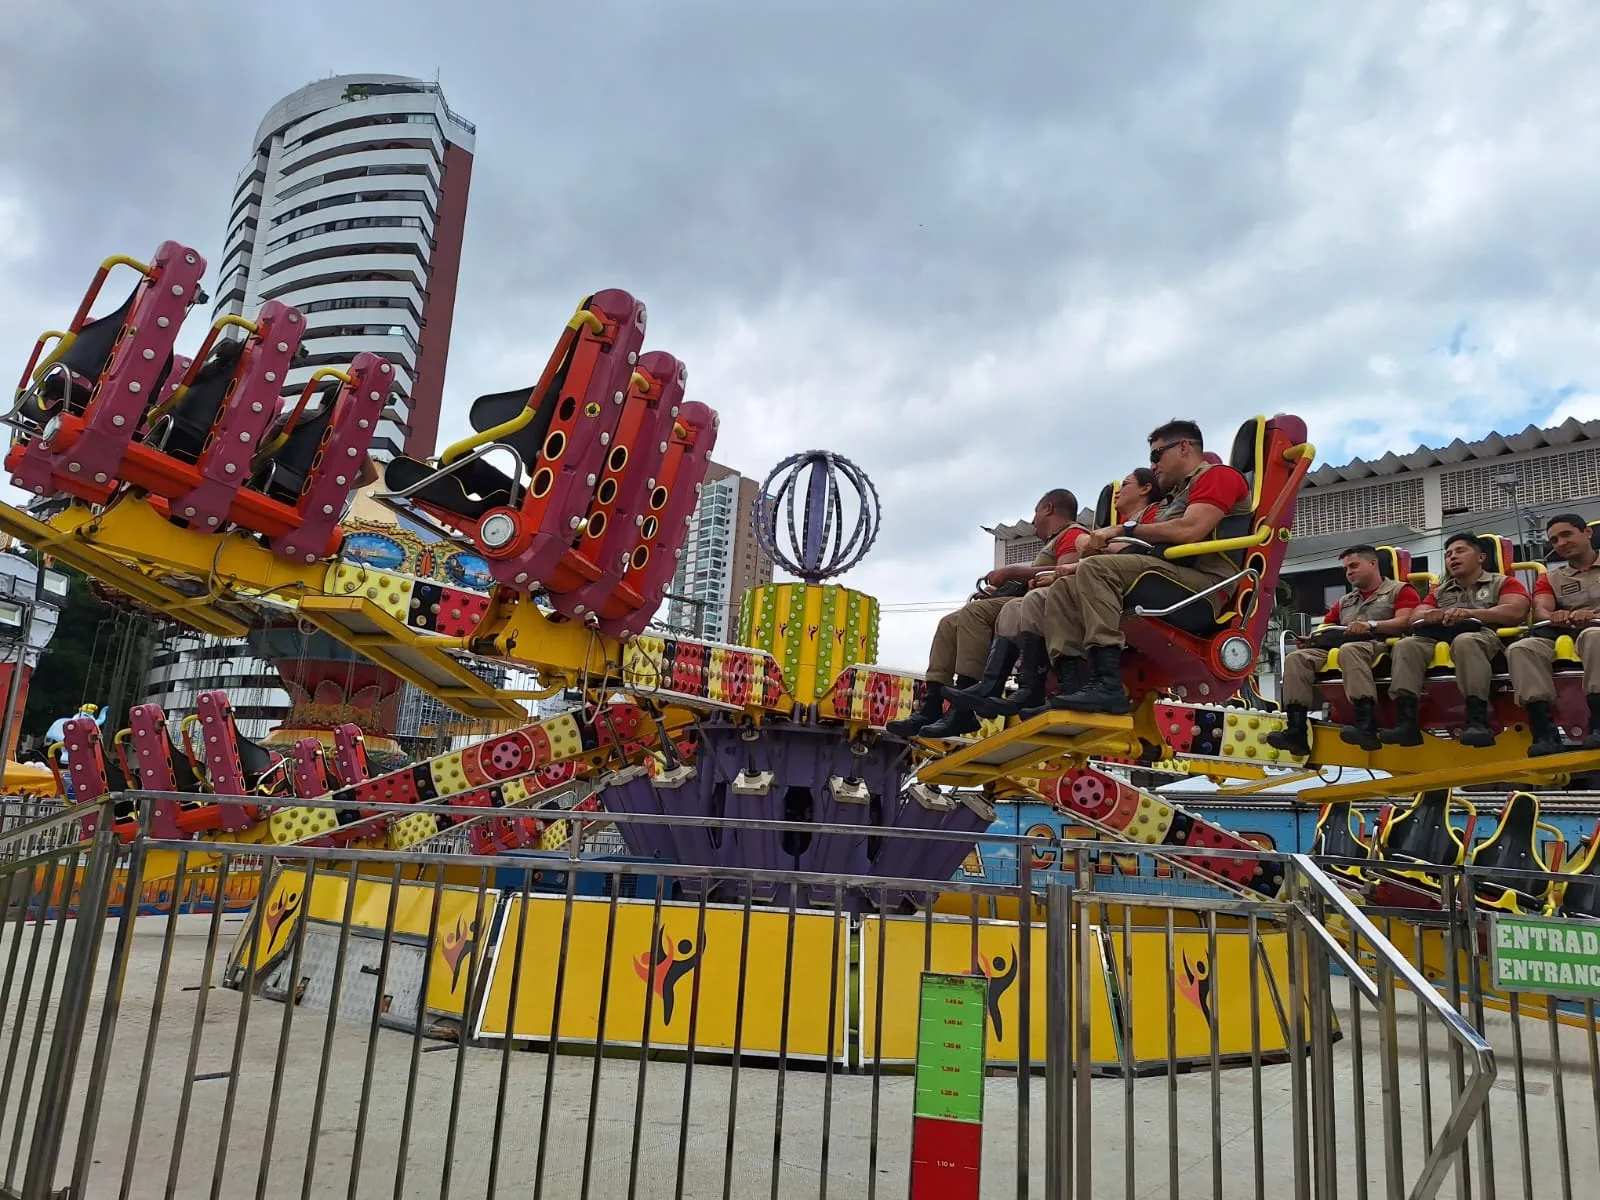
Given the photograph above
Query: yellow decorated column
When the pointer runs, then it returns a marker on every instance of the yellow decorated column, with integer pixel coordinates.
(814, 631)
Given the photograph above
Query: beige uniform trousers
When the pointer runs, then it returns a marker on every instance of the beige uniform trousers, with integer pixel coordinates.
(1084, 609)
(961, 642)
(1532, 661)
(1025, 614)
(1355, 665)
(1473, 653)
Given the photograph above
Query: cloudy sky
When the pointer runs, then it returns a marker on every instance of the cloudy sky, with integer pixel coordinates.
(980, 250)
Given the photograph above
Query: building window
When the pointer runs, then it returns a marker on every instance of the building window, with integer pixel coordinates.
(1393, 502)
(1556, 477)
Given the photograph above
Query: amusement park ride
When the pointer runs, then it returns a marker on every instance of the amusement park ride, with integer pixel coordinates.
(190, 489)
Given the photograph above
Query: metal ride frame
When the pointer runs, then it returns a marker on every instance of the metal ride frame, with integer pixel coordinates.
(97, 1024)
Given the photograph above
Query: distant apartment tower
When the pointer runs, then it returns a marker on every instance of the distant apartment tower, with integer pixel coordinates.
(721, 557)
(352, 209)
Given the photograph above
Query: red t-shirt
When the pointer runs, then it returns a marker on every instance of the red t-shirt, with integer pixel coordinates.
(1542, 586)
(1511, 587)
(1222, 487)
(1405, 598)
(1066, 542)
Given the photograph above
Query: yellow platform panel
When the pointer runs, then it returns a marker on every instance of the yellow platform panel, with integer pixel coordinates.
(418, 658)
(1047, 736)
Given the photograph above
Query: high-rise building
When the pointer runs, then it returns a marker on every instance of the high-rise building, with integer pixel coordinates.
(721, 557)
(352, 209)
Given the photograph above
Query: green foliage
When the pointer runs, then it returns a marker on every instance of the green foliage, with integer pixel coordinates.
(62, 676)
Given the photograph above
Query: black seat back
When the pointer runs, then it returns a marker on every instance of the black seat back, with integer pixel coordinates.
(1581, 895)
(1105, 506)
(284, 477)
(86, 358)
(1513, 846)
(1248, 446)
(499, 407)
(189, 423)
(1334, 837)
(1423, 832)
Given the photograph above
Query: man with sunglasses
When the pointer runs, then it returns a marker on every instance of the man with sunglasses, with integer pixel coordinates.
(1084, 610)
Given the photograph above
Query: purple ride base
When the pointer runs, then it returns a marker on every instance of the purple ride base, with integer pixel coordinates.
(802, 760)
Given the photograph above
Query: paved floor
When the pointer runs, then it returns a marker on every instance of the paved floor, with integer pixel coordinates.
(455, 1101)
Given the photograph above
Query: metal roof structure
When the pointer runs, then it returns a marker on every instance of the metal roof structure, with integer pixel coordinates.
(1569, 433)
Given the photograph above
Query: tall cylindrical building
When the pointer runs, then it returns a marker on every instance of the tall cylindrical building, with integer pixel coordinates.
(352, 209)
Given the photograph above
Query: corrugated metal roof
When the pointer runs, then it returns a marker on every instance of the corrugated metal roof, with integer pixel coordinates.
(1496, 445)
(1024, 529)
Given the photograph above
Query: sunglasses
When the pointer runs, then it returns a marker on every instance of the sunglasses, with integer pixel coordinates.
(1157, 451)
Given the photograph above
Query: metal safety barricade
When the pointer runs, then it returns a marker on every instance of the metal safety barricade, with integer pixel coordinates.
(230, 1018)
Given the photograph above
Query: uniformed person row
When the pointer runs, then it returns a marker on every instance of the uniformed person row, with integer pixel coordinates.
(1465, 608)
(1069, 614)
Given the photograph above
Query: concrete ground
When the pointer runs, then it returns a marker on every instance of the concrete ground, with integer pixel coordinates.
(241, 1164)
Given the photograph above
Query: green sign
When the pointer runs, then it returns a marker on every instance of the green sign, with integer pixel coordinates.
(1553, 958)
(952, 1025)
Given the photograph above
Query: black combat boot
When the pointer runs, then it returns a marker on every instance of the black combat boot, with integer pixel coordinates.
(1546, 733)
(1364, 731)
(1104, 692)
(1296, 738)
(1070, 671)
(932, 709)
(1476, 731)
(1002, 657)
(956, 721)
(1592, 742)
(1405, 731)
(1033, 673)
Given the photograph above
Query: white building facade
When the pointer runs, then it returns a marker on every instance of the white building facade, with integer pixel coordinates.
(352, 208)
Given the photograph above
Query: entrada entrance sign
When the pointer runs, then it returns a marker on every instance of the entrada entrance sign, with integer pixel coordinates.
(1555, 958)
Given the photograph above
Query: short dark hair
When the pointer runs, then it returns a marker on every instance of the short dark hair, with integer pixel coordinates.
(1061, 500)
(1146, 478)
(1476, 541)
(1572, 519)
(1364, 550)
(1178, 430)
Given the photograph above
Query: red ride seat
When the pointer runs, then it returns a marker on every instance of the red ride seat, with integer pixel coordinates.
(1181, 643)
(79, 408)
(557, 433)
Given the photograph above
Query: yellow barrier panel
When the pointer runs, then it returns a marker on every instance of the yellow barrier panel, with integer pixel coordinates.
(454, 944)
(998, 946)
(1203, 992)
(668, 974)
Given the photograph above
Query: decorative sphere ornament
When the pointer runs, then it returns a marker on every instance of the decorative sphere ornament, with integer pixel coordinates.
(837, 520)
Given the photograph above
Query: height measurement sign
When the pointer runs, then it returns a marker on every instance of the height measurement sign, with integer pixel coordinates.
(947, 1123)
(1549, 957)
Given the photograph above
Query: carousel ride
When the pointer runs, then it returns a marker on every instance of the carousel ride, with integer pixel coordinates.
(191, 488)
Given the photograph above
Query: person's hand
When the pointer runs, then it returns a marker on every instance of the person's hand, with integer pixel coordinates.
(994, 578)
(1098, 540)
(1428, 616)
(1580, 616)
(1359, 627)
(1454, 616)
(1043, 579)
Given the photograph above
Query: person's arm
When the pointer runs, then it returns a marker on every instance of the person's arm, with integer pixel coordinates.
(1544, 605)
(1405, 603)
(1195, 524)
(1004, 575)
(1427, 613)
(1511, 608)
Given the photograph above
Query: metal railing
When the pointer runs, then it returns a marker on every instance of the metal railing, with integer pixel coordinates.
(452, 1024)
(1368, 1109)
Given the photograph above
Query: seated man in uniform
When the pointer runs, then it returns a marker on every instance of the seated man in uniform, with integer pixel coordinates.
(1019, 630)
(961, 642)
(1566, 600)
(1084, 611)
(1373, 609)
(1470, 596)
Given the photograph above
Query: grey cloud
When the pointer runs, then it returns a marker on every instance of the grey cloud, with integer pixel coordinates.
(981, 251)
